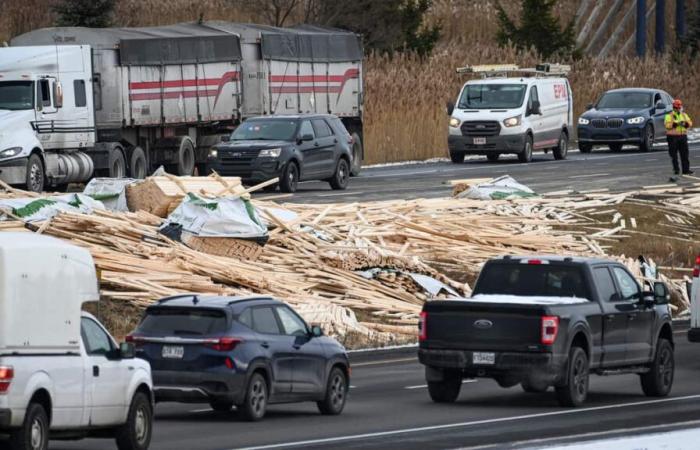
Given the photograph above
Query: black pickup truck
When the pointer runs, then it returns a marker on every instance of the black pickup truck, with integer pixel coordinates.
(549, 321)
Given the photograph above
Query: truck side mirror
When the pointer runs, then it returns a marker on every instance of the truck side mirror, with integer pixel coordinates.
(58, 94)
(127, 350)
(450, 108)
(316, 331)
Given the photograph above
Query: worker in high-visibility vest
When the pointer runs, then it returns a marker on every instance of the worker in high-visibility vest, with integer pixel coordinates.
(677, 123)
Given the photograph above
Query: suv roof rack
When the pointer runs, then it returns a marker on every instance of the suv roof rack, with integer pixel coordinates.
(248, 299)
(175, 297)
(502, 70)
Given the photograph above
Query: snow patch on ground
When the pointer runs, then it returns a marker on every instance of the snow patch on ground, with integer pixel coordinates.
(672, 440)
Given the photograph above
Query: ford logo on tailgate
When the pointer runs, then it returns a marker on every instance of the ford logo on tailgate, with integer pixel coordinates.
(483, 324)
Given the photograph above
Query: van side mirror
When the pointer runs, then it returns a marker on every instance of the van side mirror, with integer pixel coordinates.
(316, 331)
(450, 108)
(127, 350)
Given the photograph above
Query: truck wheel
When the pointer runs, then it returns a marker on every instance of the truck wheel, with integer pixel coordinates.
(526, 155)
(457, 158)
(575, 389)
(185, 158)
(647, 144)
(358, 153)
(585, 148)
(221, 405)
(493, 157)
(290, 177)
(562, 148)
(138, 165)
(135, 434)
(117, 163)
(447, 390)
(255, 403)
(35, 174)
(341, 177)
(34, 433)
(534, 388)
(336, 394)
(659, 380)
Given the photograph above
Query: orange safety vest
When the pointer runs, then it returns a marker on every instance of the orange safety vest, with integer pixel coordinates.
(673, 120)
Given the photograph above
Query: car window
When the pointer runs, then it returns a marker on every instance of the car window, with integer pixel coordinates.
(321, 128)
(264, 321)
(604, 284)
(306, 128)
(96, 341)
(667, 99)
(532, 280)
(629, 289)
(172, 321)
(246, 318)
(533, 97)
(292, 325)
(657, 98)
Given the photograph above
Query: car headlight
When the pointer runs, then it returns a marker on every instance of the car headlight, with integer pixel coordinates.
(213, 153)
(454, 123)
(635, 120)
(512, 121)
(12, 151)
(270, 153)
(583, 121)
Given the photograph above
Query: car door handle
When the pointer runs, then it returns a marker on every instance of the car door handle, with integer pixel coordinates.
(95, 371)
(265, 345)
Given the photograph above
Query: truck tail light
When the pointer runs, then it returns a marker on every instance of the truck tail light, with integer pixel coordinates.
(550, 328)
(224, 344)
(6, 375)
(423, 326)
(135, 339)
(696, 269)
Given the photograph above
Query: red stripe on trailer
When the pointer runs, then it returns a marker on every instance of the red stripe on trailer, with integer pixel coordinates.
(305, 89)
(172, 94)
(349, 74)
(225, 78)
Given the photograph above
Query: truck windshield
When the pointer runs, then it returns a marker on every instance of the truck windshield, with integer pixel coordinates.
(182, 322)
(265, 130)
(625, 100)
(492, 96)
(532, 280)
(16, 95)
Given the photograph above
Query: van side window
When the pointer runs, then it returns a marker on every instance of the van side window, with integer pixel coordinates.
(533, 97)
(44, 93)
(79, 90)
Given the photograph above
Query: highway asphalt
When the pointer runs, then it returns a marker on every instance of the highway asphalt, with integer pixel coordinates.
(626, 170)
(389, 408)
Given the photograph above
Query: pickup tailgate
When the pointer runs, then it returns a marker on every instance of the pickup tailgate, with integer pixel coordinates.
(472, 325)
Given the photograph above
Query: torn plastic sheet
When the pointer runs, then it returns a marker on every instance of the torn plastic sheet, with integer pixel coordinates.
(429, 284)
(110, 191)
(498, 189)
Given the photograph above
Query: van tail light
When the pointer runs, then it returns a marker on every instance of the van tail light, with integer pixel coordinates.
(696, 269)
(423, 326)
(224, 344)
(6, 375)
(550, 328)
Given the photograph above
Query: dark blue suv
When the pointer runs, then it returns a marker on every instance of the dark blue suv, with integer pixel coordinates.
(625, 116)
(246, 352)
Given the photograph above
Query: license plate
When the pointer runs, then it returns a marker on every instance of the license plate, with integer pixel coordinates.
(479, 141)
(173, 351)
(484, 358)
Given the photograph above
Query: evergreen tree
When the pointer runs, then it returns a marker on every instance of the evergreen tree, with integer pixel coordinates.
(690, 43)
(84, 13)
(539, 28)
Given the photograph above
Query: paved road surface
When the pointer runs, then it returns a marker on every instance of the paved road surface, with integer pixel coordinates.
(389, 408)
(601, 169)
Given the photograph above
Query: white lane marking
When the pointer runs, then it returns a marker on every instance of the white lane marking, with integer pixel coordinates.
(422, 386)
(338, 194)
(386, 361)
(353, 387)
(590, 175)
(568, 412)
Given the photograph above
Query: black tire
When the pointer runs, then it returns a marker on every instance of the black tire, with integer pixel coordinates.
(221, 405)
(358, 154)
(562, 148)
(447, 390)
(290, 177)
(36, 177)
(138, 166)
(185, 158)
(585, 148)
(336, 393)
(493, 157)
(615, 147)
(136, 433)
(457, 158)
(659, 380)
(534, 388)
(34, 432)
(526, 155)
(255, 403)
(575, 388)
(117, 163)
(647, 144)
(341, 177)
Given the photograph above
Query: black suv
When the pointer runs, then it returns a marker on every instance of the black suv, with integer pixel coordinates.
(246, 352)
(294, 148)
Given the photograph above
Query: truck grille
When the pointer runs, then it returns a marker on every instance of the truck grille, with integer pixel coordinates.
(481, 128)
(609, 123)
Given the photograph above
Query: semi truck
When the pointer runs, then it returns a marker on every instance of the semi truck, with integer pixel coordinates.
(116, 102)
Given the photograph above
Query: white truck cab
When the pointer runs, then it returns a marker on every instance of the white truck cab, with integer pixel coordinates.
(694, 330)
(61, 374)
(499, 114)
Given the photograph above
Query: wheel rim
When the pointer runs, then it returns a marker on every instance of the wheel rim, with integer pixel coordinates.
(337, 391)
(141, 425)
(343, 172)
(666, 367)
(37, 434)
(580, 377)
(117, 169)
(35, 178)
(292, 176)
(563, 146)
(258, 397)
(528, 151)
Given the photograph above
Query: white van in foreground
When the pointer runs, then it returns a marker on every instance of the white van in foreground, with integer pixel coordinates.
(500, 114)
(62, 376)
(694, 330)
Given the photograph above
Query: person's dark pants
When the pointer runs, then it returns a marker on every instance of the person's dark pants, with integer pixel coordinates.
(678, 146)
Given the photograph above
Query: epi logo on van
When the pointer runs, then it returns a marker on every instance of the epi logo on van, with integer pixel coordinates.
(483, 324)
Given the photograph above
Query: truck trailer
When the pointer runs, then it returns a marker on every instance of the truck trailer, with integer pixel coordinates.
(81, 102)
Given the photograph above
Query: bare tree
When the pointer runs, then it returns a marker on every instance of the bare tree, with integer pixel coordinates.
(277, 12)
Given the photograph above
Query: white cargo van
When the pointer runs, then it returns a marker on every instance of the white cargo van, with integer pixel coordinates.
(694, 330)
(500, 114)
(61, 374)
